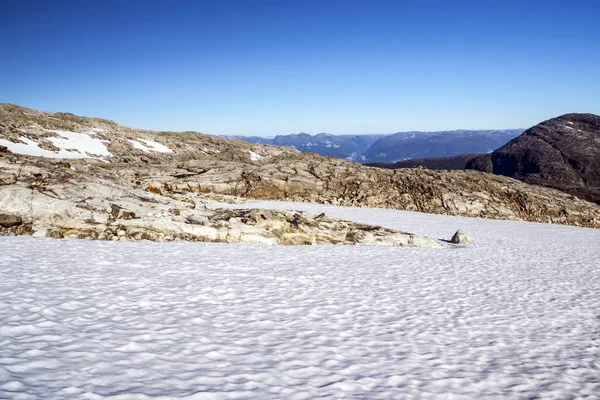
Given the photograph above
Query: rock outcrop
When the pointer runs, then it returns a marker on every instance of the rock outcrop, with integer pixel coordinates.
(561, 153)
(10, 220)
(103, 209)
(119, 182)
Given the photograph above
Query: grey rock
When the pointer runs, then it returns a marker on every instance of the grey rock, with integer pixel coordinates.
(118, 212)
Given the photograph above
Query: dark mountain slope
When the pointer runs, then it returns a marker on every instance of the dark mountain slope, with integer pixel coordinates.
(562, 153)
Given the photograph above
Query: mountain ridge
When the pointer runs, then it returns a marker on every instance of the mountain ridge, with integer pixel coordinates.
(384, 148)
(562, 153)
(458, 162)
(165, 179)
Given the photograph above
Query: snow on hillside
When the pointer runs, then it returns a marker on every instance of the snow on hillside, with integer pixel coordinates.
(149, 146)
(516, 316)
(69, 144)
(254, 156)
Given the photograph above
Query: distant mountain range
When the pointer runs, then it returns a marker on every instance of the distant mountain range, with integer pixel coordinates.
(349, 147)
(561, 153)
(437, 163)
(380, 148)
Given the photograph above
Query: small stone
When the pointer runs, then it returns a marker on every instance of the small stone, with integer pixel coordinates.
(7, 179)
(54, 233)
(461, 237)
(118, 212)
(114, 210)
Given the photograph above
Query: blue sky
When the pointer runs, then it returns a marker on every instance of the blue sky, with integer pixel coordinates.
(279, 67)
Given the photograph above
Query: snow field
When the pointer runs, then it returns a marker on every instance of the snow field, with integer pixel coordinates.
(516, 316)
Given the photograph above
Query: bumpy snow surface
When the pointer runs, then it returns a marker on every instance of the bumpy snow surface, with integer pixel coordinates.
(517, 316)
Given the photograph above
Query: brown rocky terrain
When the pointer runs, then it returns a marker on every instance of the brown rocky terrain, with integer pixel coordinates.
(52, 198)
(95, 178)
(561, 153)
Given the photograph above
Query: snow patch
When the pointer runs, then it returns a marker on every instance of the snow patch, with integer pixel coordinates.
(79, 142)
(70, 144)
(149, 146)
(254, 156)
(355, 157)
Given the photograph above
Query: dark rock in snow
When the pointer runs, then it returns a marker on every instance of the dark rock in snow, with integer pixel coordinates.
(461, 237)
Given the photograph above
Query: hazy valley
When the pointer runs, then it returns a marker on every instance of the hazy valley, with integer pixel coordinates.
(389, 148)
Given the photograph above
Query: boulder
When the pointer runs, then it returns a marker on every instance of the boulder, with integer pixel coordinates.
(461, 237)
(10, 220)
(118, 212)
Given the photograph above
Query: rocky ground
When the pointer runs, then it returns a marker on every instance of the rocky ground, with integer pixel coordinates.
(95, 178)
(63, 205)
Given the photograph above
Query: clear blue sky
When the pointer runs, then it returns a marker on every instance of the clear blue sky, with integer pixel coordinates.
(277, 67)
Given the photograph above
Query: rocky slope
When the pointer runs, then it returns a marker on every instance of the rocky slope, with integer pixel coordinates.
(562, 153)
(54, 134)
(103, 211)
(119, 182)
(53, 198)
